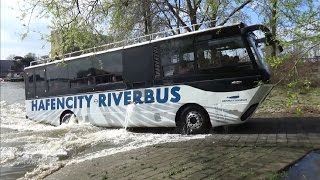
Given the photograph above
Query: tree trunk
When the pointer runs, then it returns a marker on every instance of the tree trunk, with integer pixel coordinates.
(273, 24)
(147, 17)
(192, 14)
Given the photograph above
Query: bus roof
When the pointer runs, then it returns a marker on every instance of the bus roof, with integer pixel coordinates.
(156, 39)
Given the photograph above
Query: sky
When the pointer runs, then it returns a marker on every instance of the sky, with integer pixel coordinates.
(12, 29)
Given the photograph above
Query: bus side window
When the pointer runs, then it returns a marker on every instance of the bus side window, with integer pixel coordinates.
(30, 86)
(108, 68)
(207, 58)
(58, 80)
(41, 83)
(203, 61)
(222, 53)
(177, 57)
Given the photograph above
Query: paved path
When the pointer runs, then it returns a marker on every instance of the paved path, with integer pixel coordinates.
(255, 150)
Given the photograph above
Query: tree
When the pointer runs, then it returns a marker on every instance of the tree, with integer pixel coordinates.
(22, 62)
(293, 22)
(131, 18)
(28, 58)
(11, 57)
(83, 24)
(191, 14)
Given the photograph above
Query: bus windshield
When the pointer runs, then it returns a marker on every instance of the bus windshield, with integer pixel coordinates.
(257, 51)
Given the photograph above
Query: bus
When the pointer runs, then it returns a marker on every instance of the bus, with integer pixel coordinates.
(192, 81)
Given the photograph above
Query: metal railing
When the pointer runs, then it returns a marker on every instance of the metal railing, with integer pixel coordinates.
(123, 43)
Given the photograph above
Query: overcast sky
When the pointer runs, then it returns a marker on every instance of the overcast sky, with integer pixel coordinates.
(11, 30)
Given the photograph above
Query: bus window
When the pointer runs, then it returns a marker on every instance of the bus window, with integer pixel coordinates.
(29, 84)
(222, 52)
(81, 72)
(188, 56)
(57, 77)
(177, 57)
(41, 84)
(204, 57)
(108, 68)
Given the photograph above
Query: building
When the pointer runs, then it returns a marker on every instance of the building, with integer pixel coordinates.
(5, 67)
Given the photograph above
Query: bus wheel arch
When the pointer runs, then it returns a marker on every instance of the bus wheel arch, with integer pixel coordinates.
(201, 123)
(66, 116)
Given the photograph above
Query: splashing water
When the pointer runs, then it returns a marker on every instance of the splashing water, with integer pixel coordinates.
(129, 110)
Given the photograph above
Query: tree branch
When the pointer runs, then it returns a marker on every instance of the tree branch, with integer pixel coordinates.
(177, 16)
(234, 11)
(77, 2)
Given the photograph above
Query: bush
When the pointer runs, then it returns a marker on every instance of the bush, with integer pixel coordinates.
(304, 74)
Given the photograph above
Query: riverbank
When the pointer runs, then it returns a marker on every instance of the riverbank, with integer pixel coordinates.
(283, 102)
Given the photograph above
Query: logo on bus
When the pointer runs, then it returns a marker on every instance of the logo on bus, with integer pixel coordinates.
(108, 99)
(235, 98)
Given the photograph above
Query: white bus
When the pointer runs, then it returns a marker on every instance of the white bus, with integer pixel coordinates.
(193, 81)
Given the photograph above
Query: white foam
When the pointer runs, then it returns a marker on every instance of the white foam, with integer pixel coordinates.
(42, 171)
(7, 154)
(129, 110)
(125, 141)
(13, 117)
(137, 141)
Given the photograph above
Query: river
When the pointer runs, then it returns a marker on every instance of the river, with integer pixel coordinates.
(29, 149)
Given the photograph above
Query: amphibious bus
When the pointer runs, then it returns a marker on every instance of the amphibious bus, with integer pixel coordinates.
(193, 81)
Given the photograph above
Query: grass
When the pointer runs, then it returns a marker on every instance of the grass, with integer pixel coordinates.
(177, 171)
(276, 176)
(283, 100)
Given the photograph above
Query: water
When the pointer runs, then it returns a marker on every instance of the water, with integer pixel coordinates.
(30, 150)
(12, 92)
(306, 168)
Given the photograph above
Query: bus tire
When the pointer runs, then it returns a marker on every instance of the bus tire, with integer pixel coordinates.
(194, 120)
(65, 117)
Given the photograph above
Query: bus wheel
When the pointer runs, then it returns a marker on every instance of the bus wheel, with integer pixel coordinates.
(66, 117)
(194, 120)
